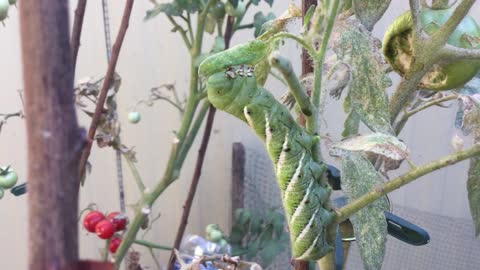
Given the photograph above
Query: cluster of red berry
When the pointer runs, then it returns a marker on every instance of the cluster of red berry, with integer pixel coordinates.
(105, 227)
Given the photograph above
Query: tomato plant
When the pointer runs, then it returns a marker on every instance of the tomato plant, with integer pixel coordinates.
(8, 178)
(134, 117)
(443, 76)
(92, 219)
(119, 220)
(105, 229)
(114, 244)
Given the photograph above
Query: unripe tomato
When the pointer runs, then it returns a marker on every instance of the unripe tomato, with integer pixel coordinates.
(4, 9)
(120, 221)
(2, 192)
(398, 50)
(134, 117)
(114, 244)
(235, 11)
(8, 178)
(105, 229)
(92, 219)
(218, 10)
(215, 236)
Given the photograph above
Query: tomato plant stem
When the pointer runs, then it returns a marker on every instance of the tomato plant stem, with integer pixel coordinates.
(353, 207)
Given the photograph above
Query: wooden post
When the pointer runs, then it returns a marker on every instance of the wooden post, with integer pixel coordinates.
(53, 136)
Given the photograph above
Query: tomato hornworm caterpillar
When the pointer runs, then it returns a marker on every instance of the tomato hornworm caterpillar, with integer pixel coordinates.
(304, 193)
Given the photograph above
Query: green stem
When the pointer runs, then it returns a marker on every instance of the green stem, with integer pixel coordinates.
(299, 40)
(149, 244)
(245, 26)
(172, 170)
(180, 30)
(135, 173)
(353, 207)
(295, 87)
(319, 58)
(192, 134)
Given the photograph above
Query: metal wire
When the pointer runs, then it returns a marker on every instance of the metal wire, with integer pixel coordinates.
(118, 154)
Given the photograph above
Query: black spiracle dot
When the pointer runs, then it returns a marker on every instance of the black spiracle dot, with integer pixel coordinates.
(271, 129)
(307, 201)
(287, 149)
(249, 112)
(300, 175)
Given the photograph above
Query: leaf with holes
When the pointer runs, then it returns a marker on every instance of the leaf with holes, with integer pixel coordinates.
(358, 178)
(369, 12)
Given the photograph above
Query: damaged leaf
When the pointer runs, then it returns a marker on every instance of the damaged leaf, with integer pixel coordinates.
(357, 48)
(358, 178)
(369, 12)
(386, 146)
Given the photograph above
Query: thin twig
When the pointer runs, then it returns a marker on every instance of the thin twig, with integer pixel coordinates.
(136, 174)
(77, 30)
(415, 10)
(151, 244)
(106, 85)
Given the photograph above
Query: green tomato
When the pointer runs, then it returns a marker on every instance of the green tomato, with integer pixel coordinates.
(218, 10)
(236, 11)
(223, 243)
(2, 192)
(215, 236)
(4, 9)
(8, 179)
(398, 51)
(134, 117)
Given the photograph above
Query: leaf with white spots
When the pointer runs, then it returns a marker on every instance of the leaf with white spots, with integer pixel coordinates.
(381, 144)
(358, 49)
(359, 177)
(369, 12)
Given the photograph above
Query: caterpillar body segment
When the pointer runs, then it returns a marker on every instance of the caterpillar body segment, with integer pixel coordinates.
(304, 194)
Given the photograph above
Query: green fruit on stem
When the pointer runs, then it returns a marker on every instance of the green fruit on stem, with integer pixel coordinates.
(397, 48)
(4, 9)
(218, 10)
(8, 178)
(134, 117)
(215, 236)
(236, 11)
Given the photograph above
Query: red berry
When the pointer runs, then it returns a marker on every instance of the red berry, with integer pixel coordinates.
(114, 244)
(119, 220)
(105, 229)
(92, 219)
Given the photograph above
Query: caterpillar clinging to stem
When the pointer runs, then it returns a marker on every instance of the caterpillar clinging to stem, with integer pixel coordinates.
(232, 88)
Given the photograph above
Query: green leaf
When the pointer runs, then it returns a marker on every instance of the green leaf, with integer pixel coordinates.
(366, 96)
(270, 2)
(190, 6)
(259, 19)
(236, 235)
(267, 235)
(359, 177)
(473, 187)
(233, 2)
(170, 9)
(270, 251)
(369, 12)
(253, 249)
(351, 125)
(255, 2)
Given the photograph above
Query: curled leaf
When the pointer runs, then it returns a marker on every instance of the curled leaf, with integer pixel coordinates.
(384, 145)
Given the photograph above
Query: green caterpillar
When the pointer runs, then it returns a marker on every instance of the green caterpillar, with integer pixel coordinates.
(304, 194)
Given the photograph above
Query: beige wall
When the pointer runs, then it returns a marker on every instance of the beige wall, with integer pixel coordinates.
(152, 55)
